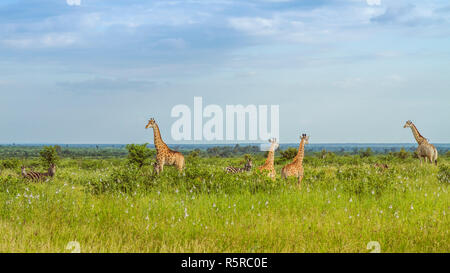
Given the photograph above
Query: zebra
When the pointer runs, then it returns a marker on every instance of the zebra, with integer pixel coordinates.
(37, 176)
(247, 167)
(381, 165)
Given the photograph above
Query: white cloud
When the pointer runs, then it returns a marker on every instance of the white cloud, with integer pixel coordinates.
(44, 41)
(73, 2)
(373, 2)
(174, 43)
(348, 83)
(255, 26)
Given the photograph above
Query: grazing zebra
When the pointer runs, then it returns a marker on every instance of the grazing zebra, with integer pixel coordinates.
(381, 166)
(247, 167)
(37, 176)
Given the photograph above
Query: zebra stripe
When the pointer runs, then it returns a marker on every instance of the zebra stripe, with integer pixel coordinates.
(246, 168)
(37, 176)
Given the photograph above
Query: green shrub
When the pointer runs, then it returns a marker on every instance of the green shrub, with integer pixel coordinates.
(357, 180)
(288, 154)
(139, 155)
(12, 163)
(368, 152)
(402, 154)
(125, 179)
(49, 155)
(444, 174)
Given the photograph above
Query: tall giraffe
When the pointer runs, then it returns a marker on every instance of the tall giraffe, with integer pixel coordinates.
(269, 164)
(295, 168)
(425, 149)
(164, 155)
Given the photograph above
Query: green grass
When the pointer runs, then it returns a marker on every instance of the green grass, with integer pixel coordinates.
(344, 204)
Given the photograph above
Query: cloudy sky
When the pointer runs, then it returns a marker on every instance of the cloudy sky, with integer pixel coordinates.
(94, 71)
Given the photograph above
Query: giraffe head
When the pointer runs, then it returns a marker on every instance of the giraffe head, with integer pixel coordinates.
(274, 144)
(151, 123)
(408, 124)
(305, 138)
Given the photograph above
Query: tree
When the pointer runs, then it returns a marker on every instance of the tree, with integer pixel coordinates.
(49, 155)
(139, 154)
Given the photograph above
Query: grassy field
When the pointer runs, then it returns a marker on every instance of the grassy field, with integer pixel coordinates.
(344, 203)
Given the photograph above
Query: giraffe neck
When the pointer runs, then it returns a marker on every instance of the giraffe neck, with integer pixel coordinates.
(301, 152)
(159, 143)
(270, 157)
(419, 138)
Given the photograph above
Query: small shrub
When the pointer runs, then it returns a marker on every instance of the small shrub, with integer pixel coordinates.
(444, 174)
(12, 163)
(126, 179)
(368, 152)
(402, 154)
(194, 154)
(139, 155)
(288, 154)
(49, 155)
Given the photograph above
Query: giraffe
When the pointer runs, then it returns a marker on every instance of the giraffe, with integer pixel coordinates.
(295, 168)
(425, 149)
(269, 164)
(164, 155)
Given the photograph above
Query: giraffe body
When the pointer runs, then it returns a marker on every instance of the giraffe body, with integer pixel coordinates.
(268, 166)
(164, 155)
(428, 152)
(295, 168)
(425, 150)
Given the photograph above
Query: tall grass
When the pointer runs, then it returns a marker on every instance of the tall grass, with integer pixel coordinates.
(344, 203)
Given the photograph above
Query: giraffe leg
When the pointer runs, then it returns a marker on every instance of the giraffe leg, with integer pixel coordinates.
(159, 166)
(180, 164)
(300, 178)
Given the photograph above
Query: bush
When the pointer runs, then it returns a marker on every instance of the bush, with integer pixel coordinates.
(49, 155)
(288, 154)
(357, 180)
(402, 154)
(12, 163)
(139, 155)
(194, 154)
(368, 152)
(125, 179)
(444, 174)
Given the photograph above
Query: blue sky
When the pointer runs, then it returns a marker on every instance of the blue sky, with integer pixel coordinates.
(94, 71)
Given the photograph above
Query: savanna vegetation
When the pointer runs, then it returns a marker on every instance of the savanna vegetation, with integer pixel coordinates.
(109, 200)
